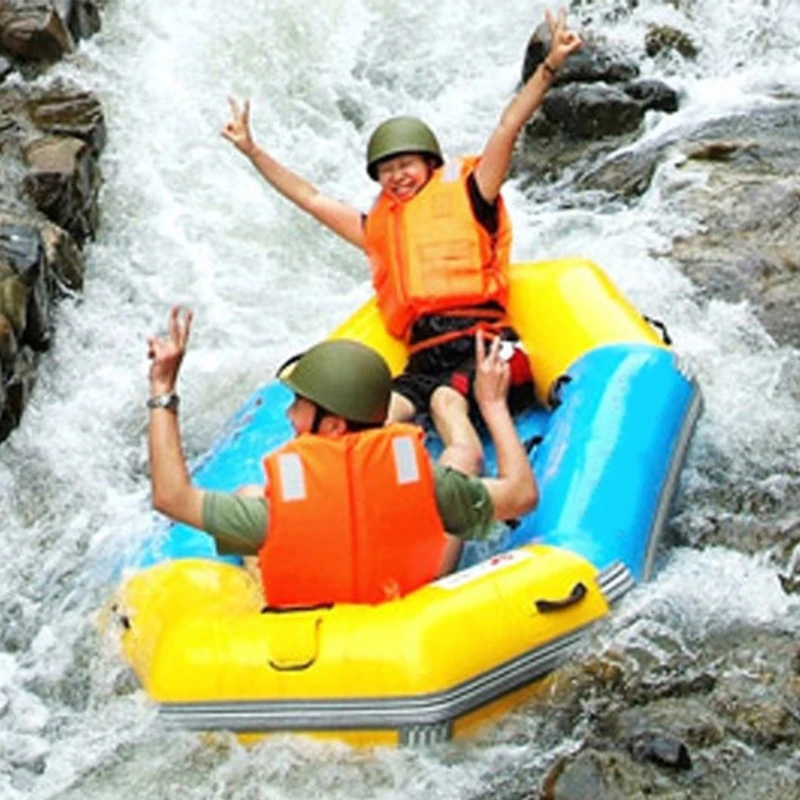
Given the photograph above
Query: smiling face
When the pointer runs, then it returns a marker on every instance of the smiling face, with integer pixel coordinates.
(403, 175)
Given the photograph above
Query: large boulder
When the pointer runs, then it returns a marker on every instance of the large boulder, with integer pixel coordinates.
(34, 31)
(597, 103)
(40, 32)
(63, 181)
(744, 200)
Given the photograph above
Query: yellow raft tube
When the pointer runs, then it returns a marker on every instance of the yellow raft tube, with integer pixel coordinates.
(425, 668)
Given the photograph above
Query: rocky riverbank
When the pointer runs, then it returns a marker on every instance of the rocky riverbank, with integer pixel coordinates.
(50, 143)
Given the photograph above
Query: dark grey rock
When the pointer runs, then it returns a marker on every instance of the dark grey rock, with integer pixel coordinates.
(654, 95)
(592, 111)
(661, 749)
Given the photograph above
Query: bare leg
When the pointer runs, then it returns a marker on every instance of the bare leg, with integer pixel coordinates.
(401, 409)
(452, 552)
(462, 446)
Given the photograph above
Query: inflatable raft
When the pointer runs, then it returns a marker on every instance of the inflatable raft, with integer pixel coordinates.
(607, 439)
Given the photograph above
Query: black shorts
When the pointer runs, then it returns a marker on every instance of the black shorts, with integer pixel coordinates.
(418, 387)
(449, 364)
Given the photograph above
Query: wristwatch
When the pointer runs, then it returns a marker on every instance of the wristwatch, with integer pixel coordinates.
(170, 401)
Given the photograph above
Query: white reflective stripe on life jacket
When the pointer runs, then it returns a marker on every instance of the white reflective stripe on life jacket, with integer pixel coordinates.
(293, 482)
(405, 460)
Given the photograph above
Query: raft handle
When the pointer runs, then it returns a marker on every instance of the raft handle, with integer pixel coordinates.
(661, 327)
(296, 609)
(534, 441)
(554, 396)
(577, 594)
(121, 617)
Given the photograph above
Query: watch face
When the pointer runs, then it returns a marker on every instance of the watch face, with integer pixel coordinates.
(169, 401)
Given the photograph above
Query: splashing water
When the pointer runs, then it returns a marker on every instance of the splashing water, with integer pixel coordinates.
(185, 219)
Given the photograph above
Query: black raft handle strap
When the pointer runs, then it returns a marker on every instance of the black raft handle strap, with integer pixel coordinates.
(579, 591)
(554, 395)
(661, 327)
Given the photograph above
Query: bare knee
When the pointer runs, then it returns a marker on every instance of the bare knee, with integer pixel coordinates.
(462, 445)
(447, 403)
(401, 409)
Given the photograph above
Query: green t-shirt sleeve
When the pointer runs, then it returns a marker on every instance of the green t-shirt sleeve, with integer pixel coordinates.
(238, 524)
(464, 504)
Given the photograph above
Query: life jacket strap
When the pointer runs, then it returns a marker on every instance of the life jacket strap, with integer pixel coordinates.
(491, 329)
(490, 320)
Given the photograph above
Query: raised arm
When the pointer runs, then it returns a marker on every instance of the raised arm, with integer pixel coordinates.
(342, 219)
(513, 491)
(172, 489)
(496, 158)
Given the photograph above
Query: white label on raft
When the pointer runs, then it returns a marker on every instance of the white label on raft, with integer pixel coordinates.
(500, 561)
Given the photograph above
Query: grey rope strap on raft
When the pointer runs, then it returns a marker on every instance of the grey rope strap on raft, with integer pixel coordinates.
(575, 596)
(661, 327)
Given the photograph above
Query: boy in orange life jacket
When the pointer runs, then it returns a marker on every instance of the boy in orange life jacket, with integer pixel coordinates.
(439, 257)
(315, 542)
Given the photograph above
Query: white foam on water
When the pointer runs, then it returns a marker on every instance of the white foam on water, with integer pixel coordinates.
(186, 220)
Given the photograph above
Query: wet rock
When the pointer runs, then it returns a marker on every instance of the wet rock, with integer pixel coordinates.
(8, 346)
(592, 111)
(664, 38)
(34, 31)
(18, 388)
(63, 257)
(82, 16)
(661, 749)
(14, 303)
(595, 106)
(6, 67)
(653, 95)
(593, 63)
(20, 249)
(794, 661)
(25, 295)
(594, 774)
(741, 188)
(699, 745)
(50, 140)
(69, 113)
(37, 264)
(64, 182)
(789, 576)
(756, 698)
(686, 720)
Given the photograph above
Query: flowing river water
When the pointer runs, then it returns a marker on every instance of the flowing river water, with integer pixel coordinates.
(185, 219)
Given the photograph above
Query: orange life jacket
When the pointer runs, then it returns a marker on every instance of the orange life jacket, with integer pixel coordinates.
(429, 254)
(353, 519)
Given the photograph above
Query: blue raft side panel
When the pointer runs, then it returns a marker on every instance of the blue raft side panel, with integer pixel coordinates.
(607, 464)
(610, 458)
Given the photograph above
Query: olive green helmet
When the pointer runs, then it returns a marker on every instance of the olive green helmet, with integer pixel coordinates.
(343, 377)
(401, 135)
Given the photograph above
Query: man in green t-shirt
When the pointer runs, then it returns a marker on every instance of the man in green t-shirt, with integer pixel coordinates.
(340, 387)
